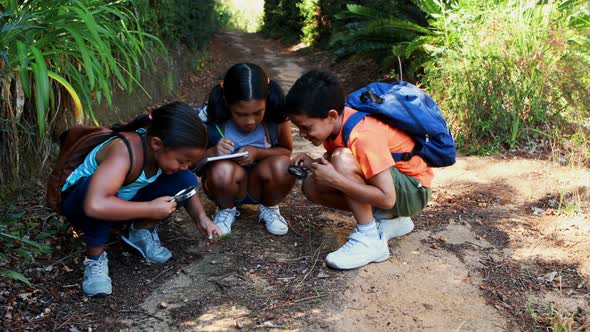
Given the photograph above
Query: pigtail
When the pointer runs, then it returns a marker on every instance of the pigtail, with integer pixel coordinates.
(140, 121)
(275, 104)
(217, 112)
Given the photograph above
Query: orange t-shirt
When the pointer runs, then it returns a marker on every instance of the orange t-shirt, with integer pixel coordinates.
(372, 142)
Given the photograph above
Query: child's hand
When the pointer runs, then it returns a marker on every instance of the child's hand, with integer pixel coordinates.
(162, 207)
(302, 159)
(208, 228)
(325, 174)
(250, 158)
(224, 146)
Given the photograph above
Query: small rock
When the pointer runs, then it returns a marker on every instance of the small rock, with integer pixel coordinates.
(295, 244)
(46, 311)
(537, 210)
(323, 274)
(126, 254)
(239, 324)
(163, 305)
(213, 262)
(84, 299)
(8, 315)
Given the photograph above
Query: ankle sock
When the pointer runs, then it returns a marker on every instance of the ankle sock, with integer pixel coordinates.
(94, 257)
(369, 230)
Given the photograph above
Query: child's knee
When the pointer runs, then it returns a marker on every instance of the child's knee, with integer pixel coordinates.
(278, 166)
(225, 172)
(344, 161)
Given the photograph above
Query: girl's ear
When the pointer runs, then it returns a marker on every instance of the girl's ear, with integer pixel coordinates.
(156, 144)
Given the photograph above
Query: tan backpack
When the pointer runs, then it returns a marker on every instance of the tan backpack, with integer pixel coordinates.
(75, 144)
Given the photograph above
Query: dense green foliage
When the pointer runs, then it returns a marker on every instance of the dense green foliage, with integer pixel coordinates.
(509, 71)
(190, 22)
(58, 58)
(310, 21)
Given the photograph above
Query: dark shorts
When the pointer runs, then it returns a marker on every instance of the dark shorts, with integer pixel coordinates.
(97, 232)
(411, 196)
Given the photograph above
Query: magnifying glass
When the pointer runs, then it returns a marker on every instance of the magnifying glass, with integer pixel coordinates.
(184, 194)
(297, 171)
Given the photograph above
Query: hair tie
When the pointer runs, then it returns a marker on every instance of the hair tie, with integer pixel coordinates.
(150, 116)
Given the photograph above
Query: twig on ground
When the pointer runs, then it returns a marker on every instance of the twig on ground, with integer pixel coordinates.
(142, 312)
(316, 256)
(159, 274)
(293, 229)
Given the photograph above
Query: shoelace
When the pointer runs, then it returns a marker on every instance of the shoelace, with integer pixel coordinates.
(96, 267)
(155, 237)
(348, 245)
(272, 214)
(226, 214)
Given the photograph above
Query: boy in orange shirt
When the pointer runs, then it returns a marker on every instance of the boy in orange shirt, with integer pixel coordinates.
(362, 177)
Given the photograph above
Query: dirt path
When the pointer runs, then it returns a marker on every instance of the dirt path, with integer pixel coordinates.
(503, 239)
(477, 258)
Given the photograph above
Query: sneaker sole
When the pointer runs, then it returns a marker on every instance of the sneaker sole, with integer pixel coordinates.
(126, 240)
(273, 233)
(352, 267)
(99, 295)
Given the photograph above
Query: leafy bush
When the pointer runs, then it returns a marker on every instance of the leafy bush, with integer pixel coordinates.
(58, 58)
(507, 71)
(22, 239)
(189, 22)
(389, 37)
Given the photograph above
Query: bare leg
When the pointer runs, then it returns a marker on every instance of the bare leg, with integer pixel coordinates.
(345, 164)
(269, 181)
(226, 182)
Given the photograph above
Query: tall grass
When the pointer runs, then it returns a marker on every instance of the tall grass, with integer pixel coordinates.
(509, 71)
(58, 58)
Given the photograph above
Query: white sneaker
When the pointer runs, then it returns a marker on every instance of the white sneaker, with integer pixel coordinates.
(271, 216)
(395, 227)
(224, 218)
(96, 277)
(360, 250)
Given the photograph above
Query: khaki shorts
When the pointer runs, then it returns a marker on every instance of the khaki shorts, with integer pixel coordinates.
(411, 196)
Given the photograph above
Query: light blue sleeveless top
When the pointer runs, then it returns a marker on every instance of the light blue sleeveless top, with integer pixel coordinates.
(89, 166)
(256, 138)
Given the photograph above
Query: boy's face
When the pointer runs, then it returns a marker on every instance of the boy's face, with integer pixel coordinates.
(316, 130)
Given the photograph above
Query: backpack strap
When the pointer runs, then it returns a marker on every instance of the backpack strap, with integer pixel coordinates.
(354, 119)
(136, 164)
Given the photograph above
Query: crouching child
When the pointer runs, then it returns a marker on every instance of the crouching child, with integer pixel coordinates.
(360, 176)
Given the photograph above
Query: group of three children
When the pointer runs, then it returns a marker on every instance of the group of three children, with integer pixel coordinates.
(247, 112)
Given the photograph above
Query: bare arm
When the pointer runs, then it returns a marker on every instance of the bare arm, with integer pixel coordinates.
(101, 201)
(377, 191)
(200, 218)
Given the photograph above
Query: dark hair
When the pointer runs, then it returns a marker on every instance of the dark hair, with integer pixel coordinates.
(176, 124)
(315, 94)
(244, 82)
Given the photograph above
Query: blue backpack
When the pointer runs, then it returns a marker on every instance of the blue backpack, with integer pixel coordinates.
(408, 108)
